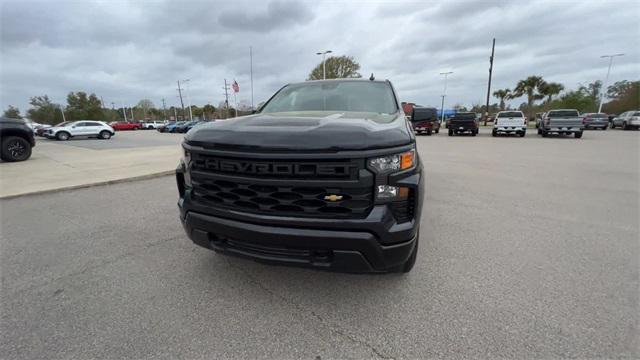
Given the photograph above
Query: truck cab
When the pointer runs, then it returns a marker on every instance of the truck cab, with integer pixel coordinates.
(463, 122)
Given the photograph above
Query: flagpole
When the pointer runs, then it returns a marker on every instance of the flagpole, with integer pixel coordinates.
(235, 100)
(251, 72)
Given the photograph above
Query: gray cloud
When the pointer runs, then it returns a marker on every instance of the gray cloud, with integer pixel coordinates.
(125, 51)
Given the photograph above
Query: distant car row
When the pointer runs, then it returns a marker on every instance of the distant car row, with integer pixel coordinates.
(180, 126)
(560, 121)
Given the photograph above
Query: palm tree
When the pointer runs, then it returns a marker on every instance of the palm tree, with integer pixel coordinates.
(550, 89)
(502, 94)
(531, 87)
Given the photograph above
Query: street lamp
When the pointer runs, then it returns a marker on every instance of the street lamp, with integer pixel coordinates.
(186, 81)
(324, 70)
(606, 79)
(444, 94)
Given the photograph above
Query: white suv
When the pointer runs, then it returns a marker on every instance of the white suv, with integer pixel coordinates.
(81, 128)
(510, 122)
(627, 120)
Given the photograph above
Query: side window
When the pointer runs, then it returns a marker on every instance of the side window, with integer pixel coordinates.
(93, 124)
(80, 124)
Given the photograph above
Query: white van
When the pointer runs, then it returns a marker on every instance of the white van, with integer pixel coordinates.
(509, 122)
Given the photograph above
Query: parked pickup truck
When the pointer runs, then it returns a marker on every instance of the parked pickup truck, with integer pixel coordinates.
(562, 121)
(510, 122)
(463, 122)
(325, 175)
(425, 120)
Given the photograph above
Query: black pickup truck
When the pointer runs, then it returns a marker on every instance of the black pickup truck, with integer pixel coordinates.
(463, 122)
(17, 140)
(325, 175)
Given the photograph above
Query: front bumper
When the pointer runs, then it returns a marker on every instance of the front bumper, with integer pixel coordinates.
(510, 129)
(376, 243)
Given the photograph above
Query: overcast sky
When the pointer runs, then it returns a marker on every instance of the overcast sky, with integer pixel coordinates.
(125, 51)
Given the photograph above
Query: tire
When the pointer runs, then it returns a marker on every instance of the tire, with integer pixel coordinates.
(494, 133)
(437, 130)
(522, 134)
(15, 148)
(544, 133)
(63, 136)
(625, 126)
(578, 135)
(408, 265)
(450, 132)
(613, 125)
(539, 131)
(429, 132)
(104, 135)
(474, 133)
(604, 128)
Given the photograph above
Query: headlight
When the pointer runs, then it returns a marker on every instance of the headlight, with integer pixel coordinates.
(392, 163)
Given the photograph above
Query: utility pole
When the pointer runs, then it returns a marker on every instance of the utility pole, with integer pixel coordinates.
(251, 73)
(64, 119)
(444, 94)
(181, 102)
(188, 100)
(324, 69)
(164, 109)
(606, 79)
(226, 96)
(486, 113)
(133, 118)
(124, 111)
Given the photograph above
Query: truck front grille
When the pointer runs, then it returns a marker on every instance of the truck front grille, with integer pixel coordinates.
(280, 200)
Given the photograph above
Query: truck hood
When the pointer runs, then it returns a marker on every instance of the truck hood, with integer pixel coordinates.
(332, 132)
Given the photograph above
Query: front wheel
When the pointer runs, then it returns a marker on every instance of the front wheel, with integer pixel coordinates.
(437, 130)
(450, 132)
(494, 133)
(105, 135)
(428, 132)
(63, 135)
(625, 126)
(522, 134)
(15, 148)
(544, 133)
(578, 135)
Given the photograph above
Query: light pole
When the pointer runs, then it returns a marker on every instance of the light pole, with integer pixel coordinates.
(606, 79)
(186, 81)
(444, 94)
(324, 69)
(62, 111)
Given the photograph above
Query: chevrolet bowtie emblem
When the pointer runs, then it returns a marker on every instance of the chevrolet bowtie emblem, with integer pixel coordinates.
(333, 197)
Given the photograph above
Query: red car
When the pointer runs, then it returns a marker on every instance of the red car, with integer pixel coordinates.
(122, 125)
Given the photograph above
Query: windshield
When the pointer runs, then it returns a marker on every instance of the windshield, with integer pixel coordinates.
(563, 113)
(338, 96)
(422, 114)
(510, 114)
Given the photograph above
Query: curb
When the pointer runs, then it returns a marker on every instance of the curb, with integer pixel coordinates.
(99, 183)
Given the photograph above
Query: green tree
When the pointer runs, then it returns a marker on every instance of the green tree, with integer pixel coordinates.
(577, 99)
(12, 112)
(44, 111)
(502, 94)
(83, 107)
(337, 67)
(549, 89)
(620, 88)
(592, 90)
(626, 97)
(145, 105)
(530, 87)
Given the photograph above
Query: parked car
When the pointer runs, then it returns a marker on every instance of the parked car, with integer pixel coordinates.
(186, 126)
(627, 120)
(41, 129)
(155, 124)
(162, 128)
(425, 120)
(595, 121)
(16, 140)
(463, 122)
(125, 125)
(171, 128)
(510, 122)
(82, 128)
(325, 175)
(562, 121)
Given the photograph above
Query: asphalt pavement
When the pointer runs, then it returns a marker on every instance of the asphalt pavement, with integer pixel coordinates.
(529, 249)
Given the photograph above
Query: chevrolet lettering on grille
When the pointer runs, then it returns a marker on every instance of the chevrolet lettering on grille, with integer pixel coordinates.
(272, 168)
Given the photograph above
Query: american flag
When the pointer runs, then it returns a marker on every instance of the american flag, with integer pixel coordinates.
(235, 86)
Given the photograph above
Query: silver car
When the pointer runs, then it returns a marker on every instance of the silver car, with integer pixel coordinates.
(595, 121)
(627, 120)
